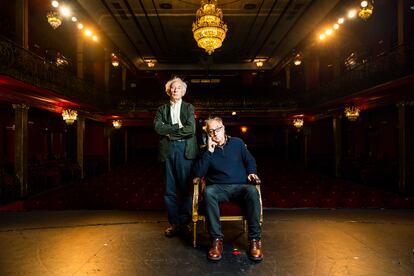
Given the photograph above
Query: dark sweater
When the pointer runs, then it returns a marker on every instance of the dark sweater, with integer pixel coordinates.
(228, 164)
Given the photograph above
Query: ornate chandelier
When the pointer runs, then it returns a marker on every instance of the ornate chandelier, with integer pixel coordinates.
(69, 116)
(367, 8)
(209, 29)
(117, 124)
(352, 113)
(54, 20)
(298, 122)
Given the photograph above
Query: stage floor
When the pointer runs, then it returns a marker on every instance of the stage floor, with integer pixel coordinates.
(295, 242)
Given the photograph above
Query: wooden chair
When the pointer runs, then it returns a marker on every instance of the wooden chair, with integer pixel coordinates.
(229, 211)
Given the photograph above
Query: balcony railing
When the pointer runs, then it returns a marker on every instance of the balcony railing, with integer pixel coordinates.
(397, 63)
(26, 66)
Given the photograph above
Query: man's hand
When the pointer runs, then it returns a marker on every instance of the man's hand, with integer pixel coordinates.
(253, 177)
(211, 144)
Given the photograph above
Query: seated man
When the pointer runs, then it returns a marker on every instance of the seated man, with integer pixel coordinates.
(227, 166)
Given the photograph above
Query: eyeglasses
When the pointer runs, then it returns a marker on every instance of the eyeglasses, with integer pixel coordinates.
(215, 131)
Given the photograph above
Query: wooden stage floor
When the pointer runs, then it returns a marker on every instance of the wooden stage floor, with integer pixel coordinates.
(295, 242)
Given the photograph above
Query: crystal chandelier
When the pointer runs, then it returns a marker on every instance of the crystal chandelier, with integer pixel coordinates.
(54, 20)
(117, 124)
(209, 29)
(366, 9)
(69, 116)
(298, 122)
(352, 113)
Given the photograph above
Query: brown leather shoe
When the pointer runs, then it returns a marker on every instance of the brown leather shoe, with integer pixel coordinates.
(216, 249)
(172, 230)
(255, 251)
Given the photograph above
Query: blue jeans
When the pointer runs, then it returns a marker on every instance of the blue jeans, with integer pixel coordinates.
(244, 193)
(177, 195)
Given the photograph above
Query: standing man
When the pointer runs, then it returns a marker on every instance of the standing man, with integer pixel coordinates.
(227, 166)
(175, 123)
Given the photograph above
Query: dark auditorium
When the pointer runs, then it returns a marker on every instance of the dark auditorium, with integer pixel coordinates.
(207, 137)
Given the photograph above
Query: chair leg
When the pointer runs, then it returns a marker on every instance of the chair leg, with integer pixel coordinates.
(195, 234)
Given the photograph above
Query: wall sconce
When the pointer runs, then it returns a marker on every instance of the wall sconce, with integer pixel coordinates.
(298, 123)
(259, 63)
(352, 113)
(150, 63)
(297, 60)
(117, 124)
(69, 116)
(114, 60)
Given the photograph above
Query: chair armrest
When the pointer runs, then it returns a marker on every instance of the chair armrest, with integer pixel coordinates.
(197, 194)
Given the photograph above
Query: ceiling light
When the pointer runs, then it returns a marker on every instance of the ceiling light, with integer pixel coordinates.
(234, 113)
(322, 36)
(80, 26)
(94, 38)
(367, 9)
(335, 26)
(328, 31)
(53, 18)
(209, 29)
(88, 32)
(65, 11)
(74, 19)
(341, 21)
(352, 13)
(259, 63)
(55, 4)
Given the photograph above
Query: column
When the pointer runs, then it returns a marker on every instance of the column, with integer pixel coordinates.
(124, 78)
(402, 146)
(287, 74)
(286, 130)
(107, 64)
(337, 134)
(21, 145)
(79, 142)
(22, 23)
(126, 145)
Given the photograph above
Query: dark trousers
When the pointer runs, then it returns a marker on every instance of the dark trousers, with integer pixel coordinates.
(243, 193)
(177, 179)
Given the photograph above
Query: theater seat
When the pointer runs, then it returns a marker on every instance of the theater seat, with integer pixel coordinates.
(229, 211)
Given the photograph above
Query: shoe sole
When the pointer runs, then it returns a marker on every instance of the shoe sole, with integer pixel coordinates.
(214, 259)
(255, 258)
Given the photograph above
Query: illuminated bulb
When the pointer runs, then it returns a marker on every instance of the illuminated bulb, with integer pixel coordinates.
(364, 4)
(352, 13)
(336, 26)
(341, 20)
(55, 4)
(243, 129)
(322, 36)
(88, 32)
(259, 64)
(80, 26)
(234, 113)
(328, 32)
(94, 38)
(65, 11)
(74, 19)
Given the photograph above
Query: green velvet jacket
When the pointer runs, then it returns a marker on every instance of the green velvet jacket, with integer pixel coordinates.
(169, 132)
